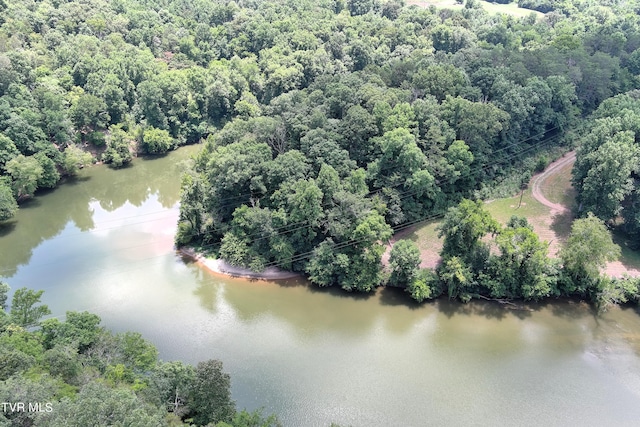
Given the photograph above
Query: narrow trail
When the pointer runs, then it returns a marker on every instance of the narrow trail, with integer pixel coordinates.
(537, 181)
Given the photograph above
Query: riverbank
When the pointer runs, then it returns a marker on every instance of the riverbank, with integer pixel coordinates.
(223, 268)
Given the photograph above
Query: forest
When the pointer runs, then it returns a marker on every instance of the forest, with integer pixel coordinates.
(77, 373)
(326, 126)
(330, 125)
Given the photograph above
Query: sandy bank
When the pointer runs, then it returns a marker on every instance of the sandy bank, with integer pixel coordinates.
(221, 267)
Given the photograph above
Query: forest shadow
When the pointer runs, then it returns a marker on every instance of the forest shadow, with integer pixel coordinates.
(488, 309)
(294, 282)
(393, 296)
(7, 227)
(568, 308)
(147, 157)
(76, 180)
(30, 203)
(340, 293)
(630, 257)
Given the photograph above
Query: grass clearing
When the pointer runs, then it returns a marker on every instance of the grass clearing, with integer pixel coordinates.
(558, 189)
(551, 226)
(629, 257)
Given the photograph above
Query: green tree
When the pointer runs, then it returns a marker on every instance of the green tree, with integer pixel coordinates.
(98, 404)
(4, 292)
(355, 263)
(170, 384)
(457, 278)
(50, 175)
(477, 124)
(588, 249)
(75, 159)
(8, 150)
(138, 354)
(457, 176)
(26, 172)
(89, 113)
(63, 362)
(80, 331)
(425, 285)
(8, 205)
(24, 309)
(463, 227)
(522, 263)
(210, 394)
(251, 419)
(610, 179)
(118, 152)
(404, 261)
(441, 80)
(156, 141)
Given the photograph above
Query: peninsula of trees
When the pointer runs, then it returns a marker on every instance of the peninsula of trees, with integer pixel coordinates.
(404, 113)
(329, 124)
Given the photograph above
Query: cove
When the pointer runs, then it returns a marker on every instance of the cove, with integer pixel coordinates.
(104, 243)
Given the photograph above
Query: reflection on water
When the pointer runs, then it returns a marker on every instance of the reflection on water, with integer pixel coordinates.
(73, 204)
(316, 356)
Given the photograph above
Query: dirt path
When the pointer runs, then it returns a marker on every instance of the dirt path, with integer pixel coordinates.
(560, 213)
(537, 181)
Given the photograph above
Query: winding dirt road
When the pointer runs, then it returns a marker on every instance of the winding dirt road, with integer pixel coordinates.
(537, 181)
(614, 269)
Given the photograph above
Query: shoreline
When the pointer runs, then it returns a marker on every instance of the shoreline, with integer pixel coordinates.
(221, 267)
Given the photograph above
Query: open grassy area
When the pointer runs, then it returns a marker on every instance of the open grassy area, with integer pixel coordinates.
(509, 9)
(629, 258)
(552, 228)
(558, 189)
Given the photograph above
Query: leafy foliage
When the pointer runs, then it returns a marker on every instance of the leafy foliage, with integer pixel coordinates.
(588, 249)
(328, 122)
(24, 309)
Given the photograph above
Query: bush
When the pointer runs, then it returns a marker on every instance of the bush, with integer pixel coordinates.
(156, 141)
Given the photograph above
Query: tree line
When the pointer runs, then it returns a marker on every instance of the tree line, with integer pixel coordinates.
(77, 373)
(606, 174)
(482, 259)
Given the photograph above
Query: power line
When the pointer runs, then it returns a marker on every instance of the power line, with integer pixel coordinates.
(396, 228)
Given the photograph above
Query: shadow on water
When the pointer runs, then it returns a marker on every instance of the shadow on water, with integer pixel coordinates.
(393, 296)
(338, 292)
(488, 309)
(7, 227)
(208, 296)
(32, 203)
(302, 282)
(568, 308)
(75, 180)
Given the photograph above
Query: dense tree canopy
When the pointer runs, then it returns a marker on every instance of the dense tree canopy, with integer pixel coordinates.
(341, 76)
(328, 125)
(607, 170)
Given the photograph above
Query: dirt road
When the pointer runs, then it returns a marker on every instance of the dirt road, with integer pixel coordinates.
(537, 181)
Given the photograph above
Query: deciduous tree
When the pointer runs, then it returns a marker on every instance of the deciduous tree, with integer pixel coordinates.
(25, 310)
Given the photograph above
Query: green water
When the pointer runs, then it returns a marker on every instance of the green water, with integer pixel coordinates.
(104, 243)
